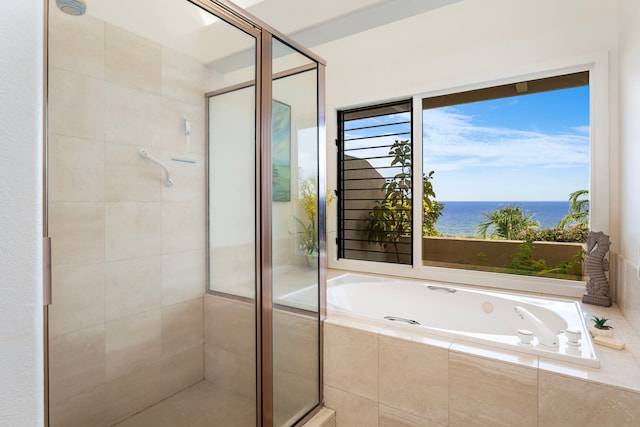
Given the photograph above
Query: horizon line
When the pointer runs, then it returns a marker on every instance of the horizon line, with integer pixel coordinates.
(500, 201)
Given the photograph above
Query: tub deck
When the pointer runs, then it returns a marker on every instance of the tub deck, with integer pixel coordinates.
(480, 316)
(401, 376)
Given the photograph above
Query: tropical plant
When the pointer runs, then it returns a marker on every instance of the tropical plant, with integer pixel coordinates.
(523, 261)
(506, 223)
(391, 217)
(600, 322)
(431, 210)
(576, 233)
(308, 202)
(578, 210)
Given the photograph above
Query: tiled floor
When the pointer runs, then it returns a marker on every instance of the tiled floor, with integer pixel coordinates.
(198, 406)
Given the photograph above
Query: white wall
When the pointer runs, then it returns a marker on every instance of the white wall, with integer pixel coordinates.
(21, 358)
(629, 257)
(630, 128)
(232, 138)
(463, 43)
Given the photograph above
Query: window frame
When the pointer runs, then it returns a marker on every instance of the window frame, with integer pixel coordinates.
(602, 193)
(369, 112)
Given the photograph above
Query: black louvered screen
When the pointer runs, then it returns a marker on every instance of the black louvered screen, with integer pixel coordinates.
(374, 183)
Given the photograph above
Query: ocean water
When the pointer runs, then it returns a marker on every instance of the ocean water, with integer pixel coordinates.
(462, 218)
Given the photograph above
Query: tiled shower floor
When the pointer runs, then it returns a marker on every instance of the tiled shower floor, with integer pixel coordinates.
(197, 406)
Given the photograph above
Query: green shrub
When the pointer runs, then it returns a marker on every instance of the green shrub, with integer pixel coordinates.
(577, 234)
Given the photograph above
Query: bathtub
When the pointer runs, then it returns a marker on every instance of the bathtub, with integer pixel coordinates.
(540, 326)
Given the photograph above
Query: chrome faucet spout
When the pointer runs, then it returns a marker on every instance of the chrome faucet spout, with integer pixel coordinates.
(441, 288)
(544, 334)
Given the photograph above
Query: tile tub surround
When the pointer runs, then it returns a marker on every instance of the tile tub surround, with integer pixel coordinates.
(324, 418)
(479, 315)
(390, 376)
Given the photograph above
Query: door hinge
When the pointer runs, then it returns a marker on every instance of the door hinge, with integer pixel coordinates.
(46, 270)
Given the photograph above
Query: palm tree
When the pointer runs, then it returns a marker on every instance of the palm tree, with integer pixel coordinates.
(578, 211)
(506, 223)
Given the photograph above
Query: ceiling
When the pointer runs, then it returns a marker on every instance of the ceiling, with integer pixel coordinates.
(179, 25)
(312, 22)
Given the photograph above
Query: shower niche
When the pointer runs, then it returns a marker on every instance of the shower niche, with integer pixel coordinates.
(196, 302)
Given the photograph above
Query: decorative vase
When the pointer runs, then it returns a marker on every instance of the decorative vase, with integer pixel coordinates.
(312, 259)
(600, 332)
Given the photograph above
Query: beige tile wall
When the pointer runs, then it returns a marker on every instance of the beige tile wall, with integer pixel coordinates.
(387, 377)
(627, 287)
(230, 355)
(486, 392)
(295, 365)
(229, 330)
(126, 323)
(421, 392)
(568, 401)
(351, 361)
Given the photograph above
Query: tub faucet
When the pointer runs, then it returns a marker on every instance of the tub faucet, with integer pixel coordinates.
(545, 335)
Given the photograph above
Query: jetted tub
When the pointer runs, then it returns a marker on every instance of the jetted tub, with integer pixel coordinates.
(486, 317)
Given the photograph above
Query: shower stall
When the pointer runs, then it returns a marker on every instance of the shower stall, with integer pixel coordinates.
(185, 207)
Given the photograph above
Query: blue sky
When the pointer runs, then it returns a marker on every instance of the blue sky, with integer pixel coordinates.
(526, 148)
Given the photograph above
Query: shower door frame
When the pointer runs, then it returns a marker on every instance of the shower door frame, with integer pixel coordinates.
(267, 186)
(264, 34)
(46, 256)
(264, 284)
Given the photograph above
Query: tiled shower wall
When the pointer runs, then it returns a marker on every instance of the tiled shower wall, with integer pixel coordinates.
(230, 355)
(126, 326)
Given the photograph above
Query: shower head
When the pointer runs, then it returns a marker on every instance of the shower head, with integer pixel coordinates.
(72, 7)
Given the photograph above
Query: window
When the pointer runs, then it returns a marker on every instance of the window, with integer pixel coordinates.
(511, 173)
(374, 185)
(505, 180)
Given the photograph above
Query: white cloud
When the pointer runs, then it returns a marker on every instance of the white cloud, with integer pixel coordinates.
(582, 129)
(453, 141)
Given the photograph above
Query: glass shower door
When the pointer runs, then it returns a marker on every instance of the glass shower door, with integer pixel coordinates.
(186, 287)
(133, 338)
(295, 235)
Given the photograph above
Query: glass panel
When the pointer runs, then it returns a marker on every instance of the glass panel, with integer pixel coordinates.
(230, 324)
(232, 192)
(130, 324)
(295, 235)
(375, 169)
